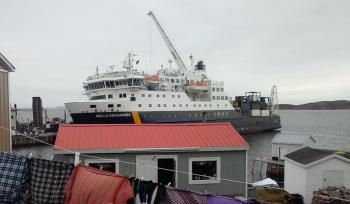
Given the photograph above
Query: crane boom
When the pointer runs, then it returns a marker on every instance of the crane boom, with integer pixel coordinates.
(170, 46)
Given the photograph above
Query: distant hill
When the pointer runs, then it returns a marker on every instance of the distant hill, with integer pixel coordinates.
(321, 105)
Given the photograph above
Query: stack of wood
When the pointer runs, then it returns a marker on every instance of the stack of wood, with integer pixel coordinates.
(332, 195)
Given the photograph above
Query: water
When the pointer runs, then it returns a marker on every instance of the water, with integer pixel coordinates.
(329, 123)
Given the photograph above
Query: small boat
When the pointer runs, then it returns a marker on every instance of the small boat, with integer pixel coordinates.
(152, 80)
(197, 87)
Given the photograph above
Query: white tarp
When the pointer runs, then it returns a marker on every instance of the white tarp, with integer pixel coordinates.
(266, 182)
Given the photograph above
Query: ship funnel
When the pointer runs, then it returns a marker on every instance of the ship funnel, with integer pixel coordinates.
(200, 66)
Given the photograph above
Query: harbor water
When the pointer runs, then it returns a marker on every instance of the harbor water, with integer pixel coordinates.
(329, 123)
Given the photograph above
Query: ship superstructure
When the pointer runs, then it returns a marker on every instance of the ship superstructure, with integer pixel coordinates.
(129, 95)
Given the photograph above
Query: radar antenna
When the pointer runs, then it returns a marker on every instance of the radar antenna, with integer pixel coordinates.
(170, 46)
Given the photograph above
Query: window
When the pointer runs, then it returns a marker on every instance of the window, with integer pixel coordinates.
(163, 95)
(194, 105)
(222, 89)
(213, 89)
(150, 105)
(132, 98)
(92, 106)
(132, 94)
(174, 105)
(217, 89)
(186, 105)
(124, 95)
(110, 96)
(226, 97)
(110, 105)
(143, 95)
(172, 81)
(119, 105)
(222, 97)
(178, 96)
(157, 95)
(139, 105)
(180, 105)
(213, 97)
(199, 105)
(158, 105)
(204, 170)
(120, 95)
(164, 105)
(173, 96)
(149, 95)
(111, 165)
(177, 81)
(218, 98)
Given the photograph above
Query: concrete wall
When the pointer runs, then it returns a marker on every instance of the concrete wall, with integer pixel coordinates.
(294, 178)
(5, 139)
(233, 166)
(315, 175)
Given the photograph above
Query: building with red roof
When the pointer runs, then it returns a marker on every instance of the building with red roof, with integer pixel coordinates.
(200, 157)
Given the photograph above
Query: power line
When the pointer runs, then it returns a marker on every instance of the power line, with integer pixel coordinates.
(125, 162)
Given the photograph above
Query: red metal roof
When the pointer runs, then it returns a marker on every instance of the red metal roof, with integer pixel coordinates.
(149, 136)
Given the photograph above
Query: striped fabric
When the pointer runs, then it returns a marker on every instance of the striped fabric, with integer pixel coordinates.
(13, 169)
(176, 196)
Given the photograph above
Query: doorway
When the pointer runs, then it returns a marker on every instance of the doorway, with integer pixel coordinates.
(166, 176)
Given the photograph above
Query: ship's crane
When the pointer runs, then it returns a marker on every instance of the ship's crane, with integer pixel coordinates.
(170, 46)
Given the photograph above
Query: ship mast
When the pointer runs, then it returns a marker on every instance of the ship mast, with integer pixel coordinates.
(170, 46)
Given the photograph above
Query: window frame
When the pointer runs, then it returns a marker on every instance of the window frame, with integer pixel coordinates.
(218, 170)
(96, 161)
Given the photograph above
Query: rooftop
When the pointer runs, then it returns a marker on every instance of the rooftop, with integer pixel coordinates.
(6, 64)
(129, 137)
(308, 155)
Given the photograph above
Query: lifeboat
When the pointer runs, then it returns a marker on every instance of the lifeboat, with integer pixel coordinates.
(152, 80)
(197, 87)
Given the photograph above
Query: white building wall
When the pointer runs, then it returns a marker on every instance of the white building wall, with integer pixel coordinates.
(289, 148)
(294, 178)
(315, 175)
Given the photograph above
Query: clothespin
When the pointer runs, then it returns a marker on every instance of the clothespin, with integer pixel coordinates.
(77, 158)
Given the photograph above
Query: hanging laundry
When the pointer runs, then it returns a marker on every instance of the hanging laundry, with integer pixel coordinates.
(223, 200)
(160, 194)
(177, 196)
(13, 169)
(47, 180)
(89, 186)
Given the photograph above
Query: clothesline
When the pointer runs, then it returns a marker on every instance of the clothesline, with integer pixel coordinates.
(125, 162)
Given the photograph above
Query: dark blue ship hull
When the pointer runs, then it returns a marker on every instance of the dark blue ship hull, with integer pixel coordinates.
(243, 124)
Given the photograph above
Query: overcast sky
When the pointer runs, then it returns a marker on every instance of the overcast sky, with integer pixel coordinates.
(301, 46)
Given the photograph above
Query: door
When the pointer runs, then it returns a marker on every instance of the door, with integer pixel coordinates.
(166, 176)
(147, 168)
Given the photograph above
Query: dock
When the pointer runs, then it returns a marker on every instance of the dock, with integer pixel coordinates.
(20, 140)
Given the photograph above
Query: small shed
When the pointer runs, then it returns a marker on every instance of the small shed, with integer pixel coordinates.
(309, 169)
(283, 144)
(199, 157)
(5, 122)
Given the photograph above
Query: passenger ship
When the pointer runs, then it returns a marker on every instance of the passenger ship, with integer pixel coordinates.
(171, 96)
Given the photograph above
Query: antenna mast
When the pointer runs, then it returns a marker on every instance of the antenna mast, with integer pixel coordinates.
(274, 101)
(170, 46)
